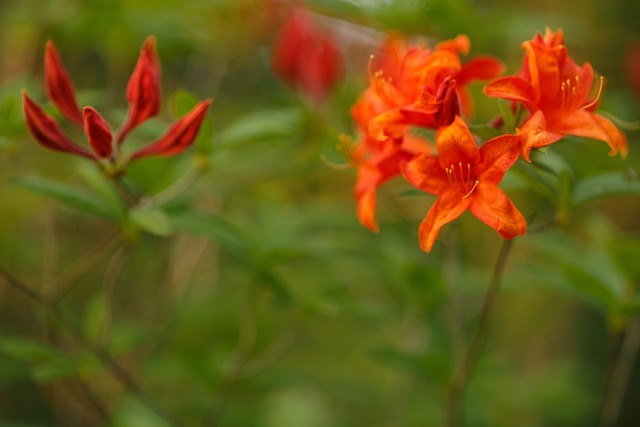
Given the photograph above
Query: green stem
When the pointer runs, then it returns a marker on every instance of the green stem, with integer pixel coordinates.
(182, 185)
(117, 371)
(465, 371)
(619, 374)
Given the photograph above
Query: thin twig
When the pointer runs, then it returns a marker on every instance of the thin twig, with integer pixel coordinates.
(619, 374)
(116, 370)
(471, 357)
(179, 187)
(278, 348)
(239, 358)
(110, 286)
(66, 281)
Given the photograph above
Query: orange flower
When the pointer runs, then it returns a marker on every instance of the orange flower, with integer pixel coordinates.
(143, 96)
(411, 87)
(378, 163)
(463, 177)
(420, 87)
(556, 92)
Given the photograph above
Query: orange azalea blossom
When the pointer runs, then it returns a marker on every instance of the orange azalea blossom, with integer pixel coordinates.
(143, 96)
(410, 87)
(463, 177)
(557, 93)
(418, 86)
(378, 163)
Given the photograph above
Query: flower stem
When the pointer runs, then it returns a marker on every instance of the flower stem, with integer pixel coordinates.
(465, 371)
(619, 374)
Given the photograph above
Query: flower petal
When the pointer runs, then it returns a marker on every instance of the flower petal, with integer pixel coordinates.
(497, 156)
(98, 133)
(512, 88)
(492, 206)
(543, 64)
(456, 144)
(479, 68)
(591, 125)
(448, 207)
(425, 173)
(143, 90)
(434, 111)
(180, 135)
(365, 194)
(458, 45)
(535, 134)
(58, 85)
(377, 170)
(46, 131)
(391, 124)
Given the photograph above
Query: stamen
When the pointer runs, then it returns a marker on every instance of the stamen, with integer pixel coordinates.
(344, 146)
(597, 98)
(471, 191)
(461, 184)
(370, 65)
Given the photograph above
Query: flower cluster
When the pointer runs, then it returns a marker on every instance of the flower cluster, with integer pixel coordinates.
(413, 87)
(143, 95)
(557, 93)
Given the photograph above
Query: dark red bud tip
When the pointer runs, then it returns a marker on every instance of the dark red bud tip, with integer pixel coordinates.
(450, 102)
(180, 135)
(46, 131)
(58, 85)
(143, 90)
(98, 133)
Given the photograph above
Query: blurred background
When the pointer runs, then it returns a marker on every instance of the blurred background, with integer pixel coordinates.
(256, 298)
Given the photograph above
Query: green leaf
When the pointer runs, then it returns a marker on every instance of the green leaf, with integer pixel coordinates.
(508, 116)
(72, 197)
(53, 370)
(213, 227)
(539, 181)
(262, 125)
(104, 187)
(95, 315)
(151, 220)
(132, 413)
(582, 268)
(603, 186)
(182, 102)
(26, 350)
(45, 363)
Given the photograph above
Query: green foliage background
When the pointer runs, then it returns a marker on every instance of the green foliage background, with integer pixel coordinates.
(255, 298)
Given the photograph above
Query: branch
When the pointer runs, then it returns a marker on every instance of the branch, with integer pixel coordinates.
(471, 357)
(117, 371)
(619, 374)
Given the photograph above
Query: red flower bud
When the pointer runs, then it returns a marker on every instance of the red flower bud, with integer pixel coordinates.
(58, 85)
(306, 57)
(450, 102)
(46, 131)
(98, 133)
(143, 89)
(180, 135)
